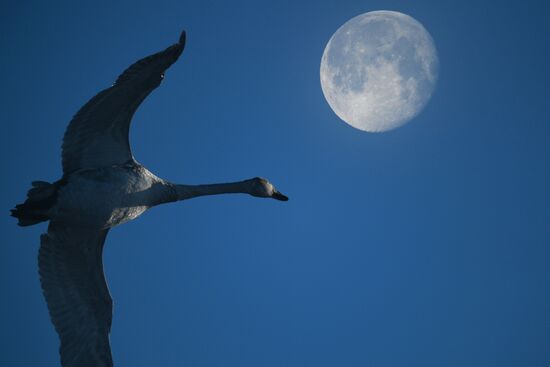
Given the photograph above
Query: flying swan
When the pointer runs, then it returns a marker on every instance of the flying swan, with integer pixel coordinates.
(102, 186)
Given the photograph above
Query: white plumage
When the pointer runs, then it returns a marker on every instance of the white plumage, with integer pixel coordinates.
(102, 186)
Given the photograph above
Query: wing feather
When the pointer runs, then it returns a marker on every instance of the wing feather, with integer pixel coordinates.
(71, 274)
(97, 136)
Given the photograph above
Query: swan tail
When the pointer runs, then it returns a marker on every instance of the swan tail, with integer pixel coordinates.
(40, 198)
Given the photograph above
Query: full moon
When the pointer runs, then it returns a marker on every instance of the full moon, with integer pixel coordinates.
(379, 70)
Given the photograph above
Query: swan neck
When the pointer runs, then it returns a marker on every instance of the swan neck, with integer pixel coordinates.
(184, 192)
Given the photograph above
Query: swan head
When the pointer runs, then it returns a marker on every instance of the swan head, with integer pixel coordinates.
(260, 187)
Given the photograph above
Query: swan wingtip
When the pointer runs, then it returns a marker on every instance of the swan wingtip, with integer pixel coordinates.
(182, 37)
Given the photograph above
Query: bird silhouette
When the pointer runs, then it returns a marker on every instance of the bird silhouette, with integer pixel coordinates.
(102, 186)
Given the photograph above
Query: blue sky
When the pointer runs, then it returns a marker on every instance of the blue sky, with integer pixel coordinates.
(424, 246)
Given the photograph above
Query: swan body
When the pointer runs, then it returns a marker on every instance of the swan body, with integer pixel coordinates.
(106, 197)
(102, 186)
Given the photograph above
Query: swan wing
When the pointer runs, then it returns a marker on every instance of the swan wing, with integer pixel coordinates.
(97, 136)
(71, 274)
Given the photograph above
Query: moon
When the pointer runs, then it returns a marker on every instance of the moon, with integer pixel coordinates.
(379, 70)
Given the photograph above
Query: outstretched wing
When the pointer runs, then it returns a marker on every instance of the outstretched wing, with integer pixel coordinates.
(97, 136)
(71, 274)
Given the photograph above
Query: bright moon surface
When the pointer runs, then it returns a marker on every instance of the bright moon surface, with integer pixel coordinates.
(379, 70)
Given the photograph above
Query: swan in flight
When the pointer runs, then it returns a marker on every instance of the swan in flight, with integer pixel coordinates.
(102, 186)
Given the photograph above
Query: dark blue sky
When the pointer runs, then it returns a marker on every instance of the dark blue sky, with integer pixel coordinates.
(424, 246)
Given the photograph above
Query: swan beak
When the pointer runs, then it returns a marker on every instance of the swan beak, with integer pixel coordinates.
(278, 196)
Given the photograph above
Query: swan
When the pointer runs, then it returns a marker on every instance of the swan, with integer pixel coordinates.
(102, 186)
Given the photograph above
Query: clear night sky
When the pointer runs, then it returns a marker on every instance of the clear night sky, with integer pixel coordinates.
(425, 246)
